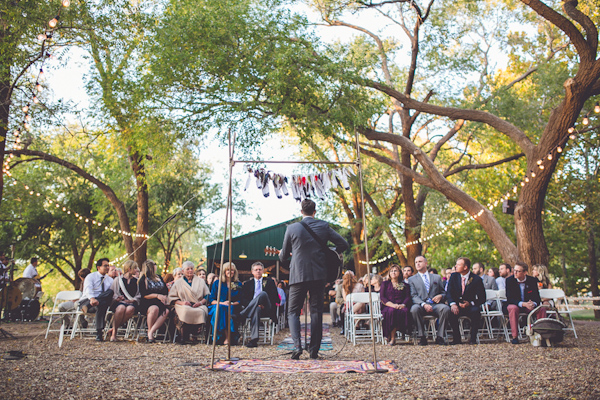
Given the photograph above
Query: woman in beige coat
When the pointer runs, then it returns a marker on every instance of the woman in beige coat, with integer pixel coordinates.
(188, 296)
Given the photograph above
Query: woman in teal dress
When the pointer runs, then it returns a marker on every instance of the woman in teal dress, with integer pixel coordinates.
(229, 277)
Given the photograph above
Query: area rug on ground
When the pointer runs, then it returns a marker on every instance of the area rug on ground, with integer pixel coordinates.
(326, 343)
(303, 366)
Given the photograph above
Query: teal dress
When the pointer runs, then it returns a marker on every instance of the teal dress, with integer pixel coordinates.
(223, 312)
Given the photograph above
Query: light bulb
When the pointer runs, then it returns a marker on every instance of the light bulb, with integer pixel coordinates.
(35, 100)
(539, 162)
(522, 183)
(586, 120)
(572, 137)
(41, 73)
(27, 126)
(541, 167)
(38, 87)
(18, 140)
(52, 23)
(597, 108)
(559, 149)
(41, 37)
(533, 174)
(26, 108)
(28, 117)
(66, 3)
(571, 130)
(549, 156)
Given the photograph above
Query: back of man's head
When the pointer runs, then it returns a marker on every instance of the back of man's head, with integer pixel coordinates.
(34, 260)
(308, 207)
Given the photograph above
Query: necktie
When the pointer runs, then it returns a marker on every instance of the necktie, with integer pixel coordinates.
(257, 287)
(102, 284)
(426, 280)
(463, 283)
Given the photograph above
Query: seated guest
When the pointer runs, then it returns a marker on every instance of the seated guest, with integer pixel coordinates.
(395, 304)
(376, 281)
(210, 279)
(71, 305)
(228, 280)
(488, 281)
(494, 273)
(126, 297)
(188, 295)
(168, 279)
(154, 299)
(522, 296)
(177, 274)
(281, 293)
(201, 273)
(335, 306)
(350, 285)
(446, 278)
(258, 299)
(407, 272)
(428, 296)
(97, 295)
(505, 270)
(465, 295)
(540, 272)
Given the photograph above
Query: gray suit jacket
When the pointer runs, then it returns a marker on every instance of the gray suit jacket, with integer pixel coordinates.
(489, 282)
(308, 258)
(417, 288)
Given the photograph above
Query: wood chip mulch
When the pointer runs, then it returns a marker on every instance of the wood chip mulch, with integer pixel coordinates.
(85, 369)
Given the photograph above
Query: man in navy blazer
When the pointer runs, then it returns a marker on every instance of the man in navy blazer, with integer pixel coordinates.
(465, 295)
(522, 295)
(258, 298)
(308, 273)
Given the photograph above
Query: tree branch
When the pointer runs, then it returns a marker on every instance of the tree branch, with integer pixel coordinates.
(483, 166)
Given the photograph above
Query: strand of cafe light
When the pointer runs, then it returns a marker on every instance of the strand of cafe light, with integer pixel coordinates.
(64, 209)
(490, 206)
(45, 38)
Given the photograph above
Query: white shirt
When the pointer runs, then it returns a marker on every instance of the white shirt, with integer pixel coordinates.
(30, 272)
(501, 282)
(91, 285)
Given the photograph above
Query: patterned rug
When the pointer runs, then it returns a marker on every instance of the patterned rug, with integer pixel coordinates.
(326, 343)
(302, 366)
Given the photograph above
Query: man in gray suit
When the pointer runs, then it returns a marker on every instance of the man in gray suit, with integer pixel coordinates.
(308, 273)
(488, 281)
(428, 297)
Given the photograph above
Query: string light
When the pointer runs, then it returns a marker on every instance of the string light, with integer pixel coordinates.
(53, 22)
(586, 119)
(69, 212)
(66, 3)
(597, 108)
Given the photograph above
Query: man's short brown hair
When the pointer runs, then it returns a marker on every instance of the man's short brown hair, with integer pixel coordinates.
(308, 207)
(466, 261)
(523, 265)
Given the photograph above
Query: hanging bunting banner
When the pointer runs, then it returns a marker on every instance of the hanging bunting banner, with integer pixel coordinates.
(302, 187)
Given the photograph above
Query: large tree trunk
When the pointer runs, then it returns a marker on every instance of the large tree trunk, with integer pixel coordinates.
(143, 222)
(4, 113)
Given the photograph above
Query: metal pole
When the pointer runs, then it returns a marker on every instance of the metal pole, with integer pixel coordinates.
(231, 164)
(214, 344)
(376, 368)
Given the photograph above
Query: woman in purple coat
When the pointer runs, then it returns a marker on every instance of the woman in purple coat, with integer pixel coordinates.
(395, 305)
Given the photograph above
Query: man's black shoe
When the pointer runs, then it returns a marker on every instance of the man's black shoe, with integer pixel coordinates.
(99, 337)
(423, 341)
(296, 354)
(252, 343)
(515, 341)
(440, 341)
(455, 342)
(314, 354)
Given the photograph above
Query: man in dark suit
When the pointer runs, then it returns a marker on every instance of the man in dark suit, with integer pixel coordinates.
(465, 295)
(308, 273)
(258, 297)
(428, 296)
(522, 295)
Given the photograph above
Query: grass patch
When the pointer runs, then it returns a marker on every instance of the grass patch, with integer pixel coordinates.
(583, 315)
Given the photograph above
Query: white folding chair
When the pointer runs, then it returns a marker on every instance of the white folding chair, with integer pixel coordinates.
(356, 334)
(561, 304)
(63, 316)
(489, 314)
(78, 328)
(266, 330)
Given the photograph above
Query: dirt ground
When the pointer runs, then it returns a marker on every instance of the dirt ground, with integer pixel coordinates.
(85, 369)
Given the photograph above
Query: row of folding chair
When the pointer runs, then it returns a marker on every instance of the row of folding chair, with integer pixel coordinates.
(357, 325)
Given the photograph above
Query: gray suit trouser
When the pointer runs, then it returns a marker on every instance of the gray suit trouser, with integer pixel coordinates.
(440, 311)
(254, 312)
(316, 290)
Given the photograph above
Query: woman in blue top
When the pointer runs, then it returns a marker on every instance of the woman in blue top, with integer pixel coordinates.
(229, 277)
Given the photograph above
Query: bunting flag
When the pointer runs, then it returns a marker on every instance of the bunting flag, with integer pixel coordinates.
(302, 187)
